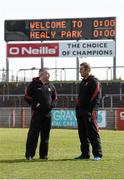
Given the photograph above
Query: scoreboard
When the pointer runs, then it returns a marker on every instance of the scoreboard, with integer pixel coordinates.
(60, 29)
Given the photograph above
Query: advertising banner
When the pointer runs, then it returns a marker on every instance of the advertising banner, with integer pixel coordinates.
(33, 50)
(120, 119)
(87, 49)
(102, 119)
(64, 49)
(67, 118)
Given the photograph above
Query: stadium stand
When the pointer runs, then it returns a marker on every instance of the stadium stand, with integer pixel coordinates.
(112, 94)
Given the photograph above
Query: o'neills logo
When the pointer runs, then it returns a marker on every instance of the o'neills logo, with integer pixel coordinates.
(33, 50)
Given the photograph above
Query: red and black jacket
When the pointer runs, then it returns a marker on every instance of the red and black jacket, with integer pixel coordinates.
(41, 97)
(88, 97)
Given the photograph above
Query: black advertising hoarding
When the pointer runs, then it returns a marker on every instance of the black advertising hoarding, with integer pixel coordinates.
(60, 29)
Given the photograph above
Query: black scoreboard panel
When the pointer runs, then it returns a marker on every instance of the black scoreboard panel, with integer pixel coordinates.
(60, 29)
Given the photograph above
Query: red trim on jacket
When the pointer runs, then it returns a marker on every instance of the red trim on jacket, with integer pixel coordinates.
(26, 94)
(95, 92)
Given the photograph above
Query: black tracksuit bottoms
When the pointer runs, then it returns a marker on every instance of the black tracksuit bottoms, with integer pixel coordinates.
(88, 133)
(40, 125)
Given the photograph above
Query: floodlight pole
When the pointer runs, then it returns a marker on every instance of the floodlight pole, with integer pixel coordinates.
(7, 69)
(7, 66)
(114, 63)
(77, 68)
(114, 58)
(114, 68)
(42, 62)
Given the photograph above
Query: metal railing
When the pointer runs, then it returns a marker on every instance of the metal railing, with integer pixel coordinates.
(59, 74)
(17, 100)
(64, 100)
(111, 96)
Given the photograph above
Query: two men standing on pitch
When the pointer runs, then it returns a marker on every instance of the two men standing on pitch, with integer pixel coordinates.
(41, 95)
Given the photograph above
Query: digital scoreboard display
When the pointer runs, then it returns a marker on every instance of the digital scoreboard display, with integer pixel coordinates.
(60, 29)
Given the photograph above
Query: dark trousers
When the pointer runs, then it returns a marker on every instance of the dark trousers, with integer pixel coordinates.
(40, 125)
(88, 133)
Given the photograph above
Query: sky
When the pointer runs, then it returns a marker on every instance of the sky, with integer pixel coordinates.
(50, 9)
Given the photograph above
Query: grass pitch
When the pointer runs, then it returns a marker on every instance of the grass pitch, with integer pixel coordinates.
(63, 147)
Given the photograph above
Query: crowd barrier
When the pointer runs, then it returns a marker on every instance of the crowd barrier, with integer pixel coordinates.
(61, 118)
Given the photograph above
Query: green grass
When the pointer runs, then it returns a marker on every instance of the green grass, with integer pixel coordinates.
(64, 146)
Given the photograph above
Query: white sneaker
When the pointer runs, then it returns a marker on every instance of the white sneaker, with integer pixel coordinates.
(96, 158)
(29, 158)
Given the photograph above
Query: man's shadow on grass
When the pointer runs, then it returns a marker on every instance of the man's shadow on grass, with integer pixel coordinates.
(32, 161)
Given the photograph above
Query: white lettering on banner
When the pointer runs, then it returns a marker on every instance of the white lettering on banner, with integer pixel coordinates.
(67, 117)
(121, 115)
(64, 118)
(41, 50)
(64, 115)
(14, 50)
(87, 49)
(33, 50)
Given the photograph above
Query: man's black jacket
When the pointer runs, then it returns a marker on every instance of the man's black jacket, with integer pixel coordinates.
(39, 96)
(89, 90)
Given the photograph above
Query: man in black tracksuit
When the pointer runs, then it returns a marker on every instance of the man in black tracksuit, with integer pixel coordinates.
(41, 95)
(86, 113)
